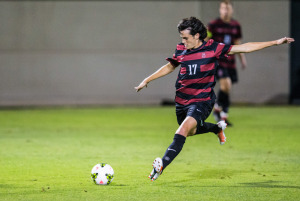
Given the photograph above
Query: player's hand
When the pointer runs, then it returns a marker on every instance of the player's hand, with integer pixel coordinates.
(284, 40)
(244, 65)
(141, 86)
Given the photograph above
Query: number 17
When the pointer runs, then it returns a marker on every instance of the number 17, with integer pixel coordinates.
(194, 67)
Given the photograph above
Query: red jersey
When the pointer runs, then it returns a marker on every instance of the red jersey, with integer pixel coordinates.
(196, 77)
(226, 33)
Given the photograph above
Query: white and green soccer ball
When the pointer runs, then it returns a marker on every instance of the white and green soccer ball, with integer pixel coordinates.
(102, 174)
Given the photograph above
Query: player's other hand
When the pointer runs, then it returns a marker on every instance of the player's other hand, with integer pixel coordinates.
(284, 40)
(142, 85)
(244, 64)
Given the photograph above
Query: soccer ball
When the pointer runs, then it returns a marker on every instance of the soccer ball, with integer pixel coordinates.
(102, 174)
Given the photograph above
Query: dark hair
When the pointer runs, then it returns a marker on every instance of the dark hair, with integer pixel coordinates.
(227, 2)
(194, 25)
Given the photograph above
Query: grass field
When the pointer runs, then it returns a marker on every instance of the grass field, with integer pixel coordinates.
(47, 154)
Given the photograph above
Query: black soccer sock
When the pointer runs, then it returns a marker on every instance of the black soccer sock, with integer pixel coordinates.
(207, 127)
(173, 150)
(223, 100)
(226, 103)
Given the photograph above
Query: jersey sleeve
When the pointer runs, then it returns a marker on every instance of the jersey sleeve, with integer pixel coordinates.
(222, 50)
(239, 32)
(174, 59)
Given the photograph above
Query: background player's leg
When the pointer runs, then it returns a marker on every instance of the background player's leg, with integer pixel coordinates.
(223, 97)
(222, 104)
(225, 87)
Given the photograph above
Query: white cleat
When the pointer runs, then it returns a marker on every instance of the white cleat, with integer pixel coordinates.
(221, 134)
(157, 169)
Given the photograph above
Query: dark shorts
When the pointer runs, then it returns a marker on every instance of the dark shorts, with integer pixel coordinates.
(227, 73)
(199, 111)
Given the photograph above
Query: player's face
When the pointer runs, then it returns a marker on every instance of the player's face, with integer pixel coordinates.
(226, 11)
(189, 40)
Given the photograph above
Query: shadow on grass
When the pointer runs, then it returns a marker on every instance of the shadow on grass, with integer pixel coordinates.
(225, 174)
(264, 184)
(118, 185)
(267, 184)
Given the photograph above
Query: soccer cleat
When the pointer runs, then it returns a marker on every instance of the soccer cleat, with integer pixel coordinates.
(153, 175)
(157, 169)
(221, 134)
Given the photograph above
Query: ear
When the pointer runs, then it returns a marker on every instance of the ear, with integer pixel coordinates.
(197, 36)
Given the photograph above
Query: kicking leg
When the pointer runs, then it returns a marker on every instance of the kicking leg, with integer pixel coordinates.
(187, 127)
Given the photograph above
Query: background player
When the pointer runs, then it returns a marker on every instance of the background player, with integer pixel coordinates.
(226, 30)
(194, 86)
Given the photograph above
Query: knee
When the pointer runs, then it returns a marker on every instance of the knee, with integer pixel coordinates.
(192, 132)
(225, 86)
(188, 127)
(183, 130)
(186, 130)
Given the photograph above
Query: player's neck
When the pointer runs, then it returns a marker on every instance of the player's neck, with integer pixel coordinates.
(198, 44)
(226, 19)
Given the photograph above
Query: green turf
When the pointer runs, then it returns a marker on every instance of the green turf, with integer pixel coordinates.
(47, 154)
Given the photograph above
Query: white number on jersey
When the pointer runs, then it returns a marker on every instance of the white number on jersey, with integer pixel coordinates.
(192, 69)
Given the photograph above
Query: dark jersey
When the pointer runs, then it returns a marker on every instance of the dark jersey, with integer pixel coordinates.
(196, 77)
(225, 33)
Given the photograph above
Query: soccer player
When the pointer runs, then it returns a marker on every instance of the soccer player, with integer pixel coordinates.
(195, 96)
(226, 30)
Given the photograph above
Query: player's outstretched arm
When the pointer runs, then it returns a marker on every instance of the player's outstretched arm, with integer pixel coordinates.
(164, 70)
(254, 46)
